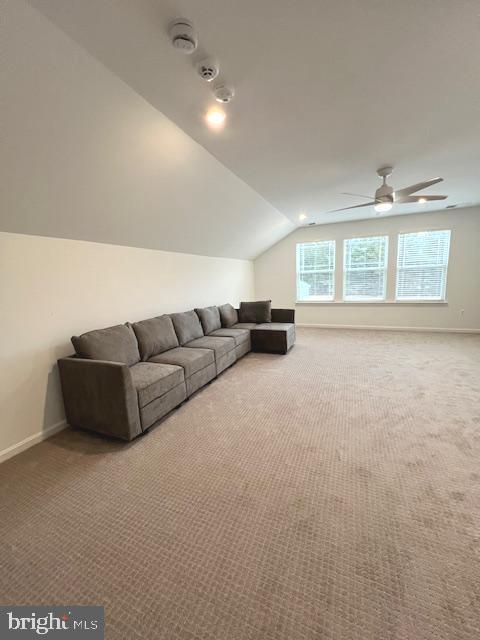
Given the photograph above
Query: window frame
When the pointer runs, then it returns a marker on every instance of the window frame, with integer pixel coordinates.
(426, 300)
(390, 284)
(345, 271)
(318, 300)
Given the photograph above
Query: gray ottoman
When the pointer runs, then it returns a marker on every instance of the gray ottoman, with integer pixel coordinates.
(273, 337)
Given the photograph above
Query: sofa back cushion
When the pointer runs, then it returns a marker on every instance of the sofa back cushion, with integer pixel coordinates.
(228, 315)
(155, 336)
(259, 311)
(210, 319)
(116, 344)
(187, 326)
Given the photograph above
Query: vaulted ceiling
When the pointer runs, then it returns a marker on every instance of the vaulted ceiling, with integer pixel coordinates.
(83, 156)
(326, 91)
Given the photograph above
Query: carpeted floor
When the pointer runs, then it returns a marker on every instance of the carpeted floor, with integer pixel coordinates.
(333, 493)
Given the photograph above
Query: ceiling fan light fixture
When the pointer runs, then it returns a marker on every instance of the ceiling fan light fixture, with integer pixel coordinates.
(382, 207)
(385, 197)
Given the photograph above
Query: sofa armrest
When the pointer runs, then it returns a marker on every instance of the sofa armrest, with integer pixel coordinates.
(99, 395)
(283, 315)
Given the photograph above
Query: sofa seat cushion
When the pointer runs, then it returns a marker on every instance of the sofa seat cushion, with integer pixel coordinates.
(192, 360)
(158, 408)
(239, 335)
(210, 319)
(187, 326)
(258, 311)
(243, 349)
(244, 325)
(155, 335)
(114, 344)
(228, 315)
(220, 346)
(154, 380)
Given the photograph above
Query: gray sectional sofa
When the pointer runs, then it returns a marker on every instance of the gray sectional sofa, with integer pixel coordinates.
(124, 379)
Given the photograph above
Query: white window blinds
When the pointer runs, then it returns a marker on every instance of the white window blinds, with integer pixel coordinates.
(316, 270)
(422, 265)
(365, 268)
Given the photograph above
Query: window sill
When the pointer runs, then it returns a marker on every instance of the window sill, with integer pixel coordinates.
(369, 302)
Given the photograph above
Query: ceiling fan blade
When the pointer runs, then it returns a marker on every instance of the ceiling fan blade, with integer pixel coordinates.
(356, 195)
(357, 206)
(418, 199)
(417, 187)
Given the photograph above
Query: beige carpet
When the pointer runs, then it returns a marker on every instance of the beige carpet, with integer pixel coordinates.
(333, 493)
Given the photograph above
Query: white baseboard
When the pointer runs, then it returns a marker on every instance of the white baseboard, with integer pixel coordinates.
(9, 452)
(386, 328)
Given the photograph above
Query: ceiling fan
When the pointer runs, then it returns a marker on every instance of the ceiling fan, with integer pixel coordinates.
(385, 197)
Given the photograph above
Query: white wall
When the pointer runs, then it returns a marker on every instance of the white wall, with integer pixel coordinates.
(53, 288)
(275, 274)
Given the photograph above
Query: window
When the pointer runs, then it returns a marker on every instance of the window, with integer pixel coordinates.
(365, 268)
(422, 265)
(316, 271)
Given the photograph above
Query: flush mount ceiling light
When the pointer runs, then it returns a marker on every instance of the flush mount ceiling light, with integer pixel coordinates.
(302, 216)
(385, 197)
(215, 117)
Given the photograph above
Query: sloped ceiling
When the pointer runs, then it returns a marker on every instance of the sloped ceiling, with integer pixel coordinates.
(326, 91)
(84, 156)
